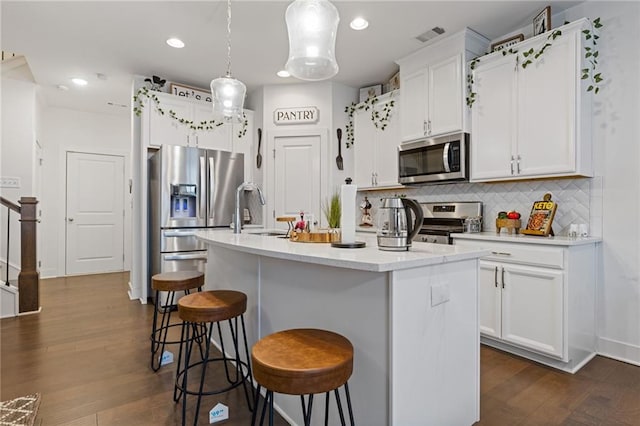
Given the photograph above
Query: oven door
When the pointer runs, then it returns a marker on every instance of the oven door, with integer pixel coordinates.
(432, 160)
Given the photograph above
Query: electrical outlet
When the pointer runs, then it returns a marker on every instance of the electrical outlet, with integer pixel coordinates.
(9, 182)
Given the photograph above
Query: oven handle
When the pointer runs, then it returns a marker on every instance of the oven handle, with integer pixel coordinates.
(186, 257)
(445, 157)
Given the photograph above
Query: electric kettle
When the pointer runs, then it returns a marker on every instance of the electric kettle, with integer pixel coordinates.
(396, 228)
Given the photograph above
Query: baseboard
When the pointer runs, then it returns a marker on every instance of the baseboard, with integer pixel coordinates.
(48, 273)
(619, 351)
(21, 314)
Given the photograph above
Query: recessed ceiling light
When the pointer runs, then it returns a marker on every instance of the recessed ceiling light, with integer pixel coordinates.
(79, 81)
(283, 73)
(359, 24)
(175, 42)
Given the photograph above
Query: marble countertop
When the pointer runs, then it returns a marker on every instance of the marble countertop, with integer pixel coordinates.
(368, 258)
(528, 239)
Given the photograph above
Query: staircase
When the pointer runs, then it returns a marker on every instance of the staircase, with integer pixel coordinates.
(23, 297)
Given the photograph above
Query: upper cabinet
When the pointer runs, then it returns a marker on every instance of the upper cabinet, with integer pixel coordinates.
(162, 129)
(376, 150)
(532, 121)
(432, 84)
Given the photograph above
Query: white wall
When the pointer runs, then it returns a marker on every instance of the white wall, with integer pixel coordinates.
(70, 130)
(18, 147)
(616, 132)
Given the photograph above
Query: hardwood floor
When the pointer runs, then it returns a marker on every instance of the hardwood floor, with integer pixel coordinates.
(87, 353)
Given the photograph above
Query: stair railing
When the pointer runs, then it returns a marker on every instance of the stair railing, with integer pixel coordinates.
(29, 276)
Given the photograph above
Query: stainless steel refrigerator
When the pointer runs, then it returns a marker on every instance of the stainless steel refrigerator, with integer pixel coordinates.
(189, 189)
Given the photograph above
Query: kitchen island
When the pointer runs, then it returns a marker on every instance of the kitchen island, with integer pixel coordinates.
(412, 318)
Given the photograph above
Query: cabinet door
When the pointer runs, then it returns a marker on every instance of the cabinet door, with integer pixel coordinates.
(244, 144)
(493, 119)
(547, 110)
(445, 97)
(363, 149)
(490, 298)
(532, 308)
(164, 130)
(413, 103)
(217, 138)
(386, 156)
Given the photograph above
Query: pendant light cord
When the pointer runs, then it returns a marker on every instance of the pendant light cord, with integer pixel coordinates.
(228, 38)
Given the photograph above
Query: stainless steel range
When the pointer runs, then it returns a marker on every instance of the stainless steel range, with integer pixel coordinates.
(442, 219)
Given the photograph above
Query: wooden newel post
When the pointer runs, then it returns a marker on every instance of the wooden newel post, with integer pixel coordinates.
(29, 276)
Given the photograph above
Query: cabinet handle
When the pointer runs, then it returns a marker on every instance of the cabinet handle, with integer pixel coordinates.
(424, 127)
(188, 140)
(502, 277)
(372, 179)
(429, 127)
(518, 164)
(375, 179)
(512, 164)
(501, 253)
(495, 277)
(197, 140)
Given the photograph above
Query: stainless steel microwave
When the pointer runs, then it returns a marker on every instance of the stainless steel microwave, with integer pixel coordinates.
(438, 159)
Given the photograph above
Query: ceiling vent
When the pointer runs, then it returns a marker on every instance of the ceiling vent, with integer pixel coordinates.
(432, 33)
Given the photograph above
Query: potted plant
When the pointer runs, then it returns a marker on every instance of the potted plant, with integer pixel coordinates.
(332, 209)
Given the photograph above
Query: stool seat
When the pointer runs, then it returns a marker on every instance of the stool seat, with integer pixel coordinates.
(302, 361)
(177, 281)
(212, 306)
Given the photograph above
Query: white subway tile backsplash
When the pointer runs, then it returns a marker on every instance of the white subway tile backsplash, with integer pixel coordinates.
(573, 196)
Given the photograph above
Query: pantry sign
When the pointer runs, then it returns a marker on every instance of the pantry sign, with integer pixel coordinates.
(300, 115)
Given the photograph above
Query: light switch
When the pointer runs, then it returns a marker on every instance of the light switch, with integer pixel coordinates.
(439, 294)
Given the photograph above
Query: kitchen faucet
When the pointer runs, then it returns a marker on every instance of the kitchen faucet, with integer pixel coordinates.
(237, 222)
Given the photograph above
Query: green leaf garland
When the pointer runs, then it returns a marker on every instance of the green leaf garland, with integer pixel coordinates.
(144, 94)
(379, 117)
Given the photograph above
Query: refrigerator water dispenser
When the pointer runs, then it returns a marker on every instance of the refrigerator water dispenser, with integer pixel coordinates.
(183, 200)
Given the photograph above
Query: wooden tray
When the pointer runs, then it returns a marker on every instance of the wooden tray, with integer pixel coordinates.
(509, 224)
(314, 237)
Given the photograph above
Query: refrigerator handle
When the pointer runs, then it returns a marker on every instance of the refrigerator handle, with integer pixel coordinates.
(202, 193)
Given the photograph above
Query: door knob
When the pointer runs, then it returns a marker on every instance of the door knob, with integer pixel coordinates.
(70, 219)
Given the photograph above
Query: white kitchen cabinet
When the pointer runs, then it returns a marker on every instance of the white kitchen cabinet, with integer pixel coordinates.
(161, 129)
(432, 83)
(244, 144)
(522, 305)
(376, 150)
(537, 297)
(532, 122)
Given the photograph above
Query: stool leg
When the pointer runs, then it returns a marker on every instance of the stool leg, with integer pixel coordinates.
(224, 353)
(256, 401)
(346, 390)
(326, 409)
(204, 371)
(188, 346)
(176, 393)
(271, 410)
(158, 344)
(268, 399)
(306, 410)
(340, 412)
(249, 375)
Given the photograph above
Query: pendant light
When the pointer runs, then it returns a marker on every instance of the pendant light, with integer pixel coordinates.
(312, 27)
(227, 92)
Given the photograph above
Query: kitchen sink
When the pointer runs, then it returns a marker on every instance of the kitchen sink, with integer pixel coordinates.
(270, 234)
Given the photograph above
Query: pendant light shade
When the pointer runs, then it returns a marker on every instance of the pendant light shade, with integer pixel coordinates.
(227, 93)
(228, 99)
(312, 27)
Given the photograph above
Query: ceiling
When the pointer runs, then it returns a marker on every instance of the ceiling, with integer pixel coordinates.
(120, 39)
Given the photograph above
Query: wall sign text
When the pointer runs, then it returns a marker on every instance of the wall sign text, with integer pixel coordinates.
(190, 92)
(300, 115)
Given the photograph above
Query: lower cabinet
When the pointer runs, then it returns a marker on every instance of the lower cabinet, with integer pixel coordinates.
(537, 297)
(523, 305)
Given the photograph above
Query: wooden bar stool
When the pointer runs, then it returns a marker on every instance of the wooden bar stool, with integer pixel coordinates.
(303, 362)
(210, 308)
(170, 282)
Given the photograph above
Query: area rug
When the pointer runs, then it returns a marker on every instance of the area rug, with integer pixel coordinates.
(20, 411)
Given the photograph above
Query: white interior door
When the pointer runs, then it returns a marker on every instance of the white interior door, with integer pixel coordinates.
(297, 176)
(95, 213)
